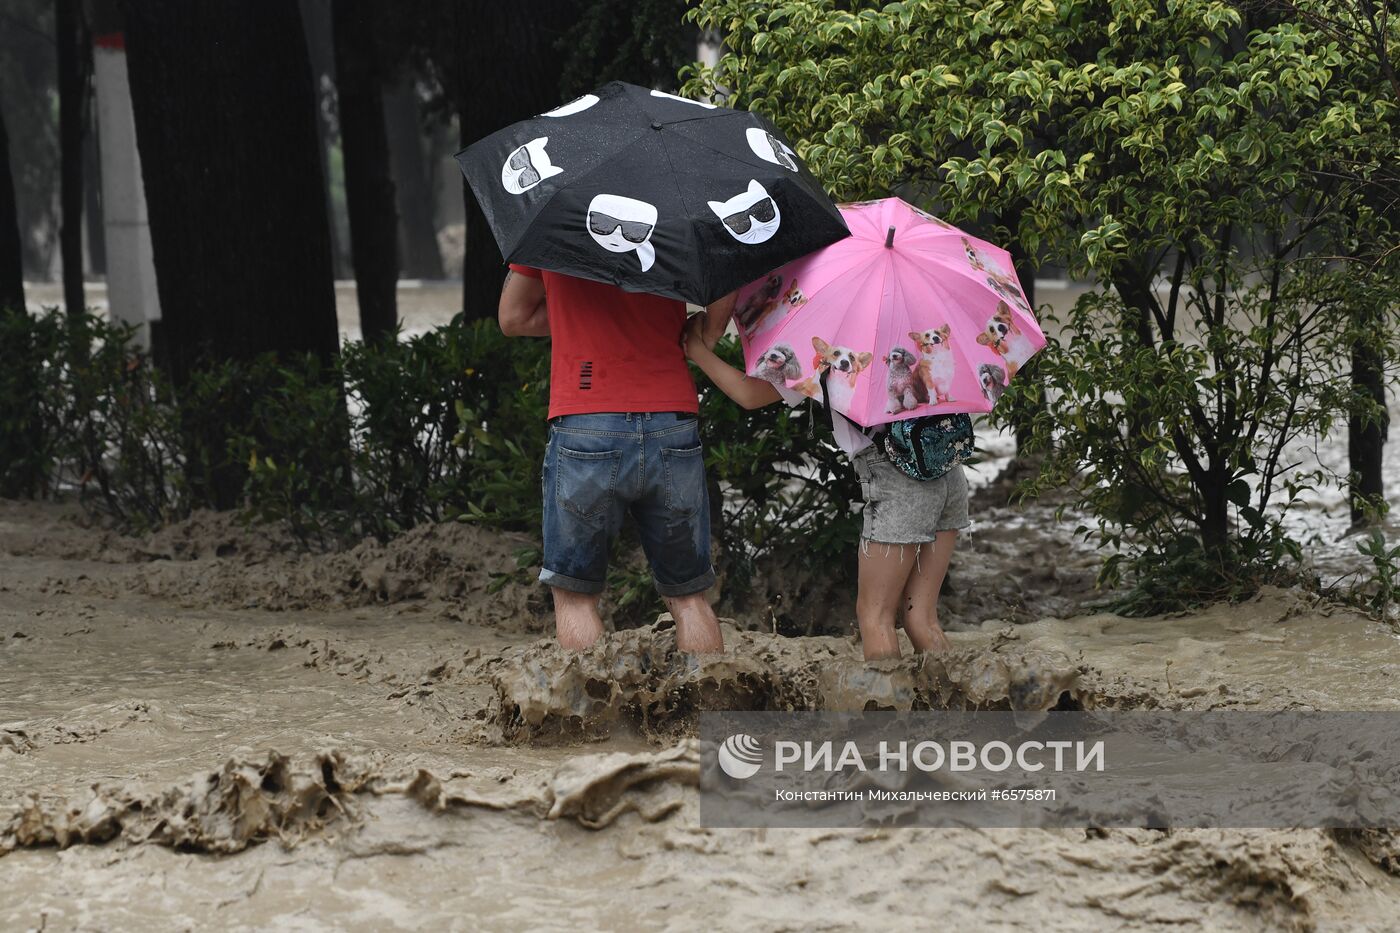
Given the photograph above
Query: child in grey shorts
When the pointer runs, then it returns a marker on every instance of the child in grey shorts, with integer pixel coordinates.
(902, 510)
(911, 526)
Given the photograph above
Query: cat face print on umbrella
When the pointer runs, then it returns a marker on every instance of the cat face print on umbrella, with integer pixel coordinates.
(770, 148)
(577, 105)
(750, 217)
(683, 100)
(650, 192)
(528, 166)
(623, 225)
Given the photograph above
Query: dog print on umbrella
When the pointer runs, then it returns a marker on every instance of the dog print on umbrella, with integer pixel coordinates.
(1010, 291)
(998, 279)
(793, 297)
(768, 305)
(993, 379)
(751, 217)
(842, 366)
(778, 366)
(981, 261)
(770, 148)
(907, 390)
(527, 166)
(936, 365)
(1006, 339)
(763, 302)
(623, 225)
(577, 105)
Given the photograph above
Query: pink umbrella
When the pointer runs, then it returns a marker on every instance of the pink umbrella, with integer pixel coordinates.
(908, 316)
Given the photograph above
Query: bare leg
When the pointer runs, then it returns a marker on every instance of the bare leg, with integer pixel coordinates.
(921, 594)
(697, 626)
(576, 619)
(884, 569)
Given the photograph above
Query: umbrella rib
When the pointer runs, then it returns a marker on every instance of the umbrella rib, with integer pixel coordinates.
(759, 164)
(689, 229)
(886, 310)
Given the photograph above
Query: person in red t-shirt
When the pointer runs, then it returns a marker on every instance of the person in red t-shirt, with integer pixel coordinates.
(623, 438)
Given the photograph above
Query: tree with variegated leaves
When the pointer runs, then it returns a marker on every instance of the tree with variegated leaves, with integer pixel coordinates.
(1214, 166)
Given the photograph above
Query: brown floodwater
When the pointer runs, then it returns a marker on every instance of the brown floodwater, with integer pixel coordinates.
(204, 728)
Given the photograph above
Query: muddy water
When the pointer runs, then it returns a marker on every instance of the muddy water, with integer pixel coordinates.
(404, 751)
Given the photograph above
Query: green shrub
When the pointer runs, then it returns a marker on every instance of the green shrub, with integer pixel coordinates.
(1381, 593)
(1180, 447)
(293, 451)
(403, 398)
(122, 438)
(33, 393)
(502, 419)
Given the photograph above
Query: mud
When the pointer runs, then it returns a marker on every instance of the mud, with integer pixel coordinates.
(251, 800)
(213, 559)
(171, 751)
(638, 679)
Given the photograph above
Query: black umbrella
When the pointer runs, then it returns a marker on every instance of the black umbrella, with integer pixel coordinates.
(651, 192)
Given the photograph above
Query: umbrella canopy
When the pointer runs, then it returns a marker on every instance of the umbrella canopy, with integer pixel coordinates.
(650, 192)
(908, 316)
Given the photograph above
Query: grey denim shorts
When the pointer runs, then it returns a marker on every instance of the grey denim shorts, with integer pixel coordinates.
(902, 510)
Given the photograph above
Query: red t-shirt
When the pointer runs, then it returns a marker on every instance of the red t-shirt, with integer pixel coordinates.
(613, 350)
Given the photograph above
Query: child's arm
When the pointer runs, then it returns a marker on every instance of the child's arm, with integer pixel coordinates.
(743, 390)
(717, 318)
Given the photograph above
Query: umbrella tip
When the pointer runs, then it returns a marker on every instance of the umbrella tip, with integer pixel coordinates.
(889, 239)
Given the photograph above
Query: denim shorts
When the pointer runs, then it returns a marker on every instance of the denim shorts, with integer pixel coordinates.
(597, 469)
(902, 510)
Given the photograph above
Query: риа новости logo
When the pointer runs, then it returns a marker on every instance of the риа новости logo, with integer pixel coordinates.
(740, 756)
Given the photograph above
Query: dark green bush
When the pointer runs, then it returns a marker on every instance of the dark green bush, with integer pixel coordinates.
(503, 428)
(33, 394)
(403, 398)
(122, 440)
(293, 452)
(446, 424)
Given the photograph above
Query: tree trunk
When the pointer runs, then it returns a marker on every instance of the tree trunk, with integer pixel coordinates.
(1366, 438)
(316, 19)
(226, 126)
(1215, 524)
(421, 257)
(491, 91)
(1023, 416)
(92, 197)
(369, 188)
(11, 252)
(74, 70)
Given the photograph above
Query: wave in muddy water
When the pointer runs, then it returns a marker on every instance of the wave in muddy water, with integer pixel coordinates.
(277, 797)
(338, 814)
(638, 679)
